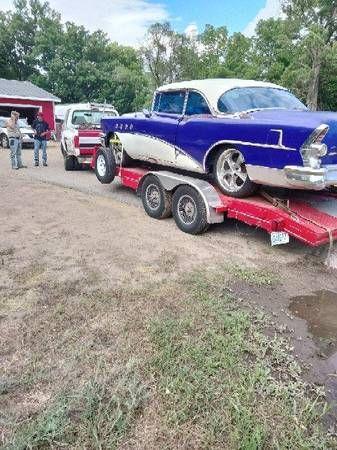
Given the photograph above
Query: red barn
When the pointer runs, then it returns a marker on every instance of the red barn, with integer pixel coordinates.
(27, 99)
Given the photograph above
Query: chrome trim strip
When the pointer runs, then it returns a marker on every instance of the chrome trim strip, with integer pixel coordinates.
(247, 144)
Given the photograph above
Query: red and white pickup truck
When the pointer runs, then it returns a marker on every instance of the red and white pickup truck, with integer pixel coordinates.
(81, 132)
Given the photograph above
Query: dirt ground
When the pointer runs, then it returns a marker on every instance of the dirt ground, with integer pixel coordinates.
(64, 236)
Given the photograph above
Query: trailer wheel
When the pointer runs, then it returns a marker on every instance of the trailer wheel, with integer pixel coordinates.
(189, 210)
(156, 200)
(105, 165)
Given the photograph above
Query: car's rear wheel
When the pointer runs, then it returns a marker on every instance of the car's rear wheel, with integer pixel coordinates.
(4, 141)
(231, 175)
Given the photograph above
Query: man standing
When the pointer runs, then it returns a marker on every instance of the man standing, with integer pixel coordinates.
(41, 129)
(15, 140)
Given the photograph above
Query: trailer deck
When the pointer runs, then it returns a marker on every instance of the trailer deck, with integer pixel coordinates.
(310, 217)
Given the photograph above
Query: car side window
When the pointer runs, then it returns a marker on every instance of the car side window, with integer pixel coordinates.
(196, 104)
(170, 102)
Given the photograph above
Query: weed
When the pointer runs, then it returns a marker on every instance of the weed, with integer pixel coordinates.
(50, 428)
(96, 416)
(224, 377)
(252, 276)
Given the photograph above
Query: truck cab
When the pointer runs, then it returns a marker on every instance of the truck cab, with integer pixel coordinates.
(81, 131)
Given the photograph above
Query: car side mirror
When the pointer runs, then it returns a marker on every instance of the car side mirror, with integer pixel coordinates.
(146, 113)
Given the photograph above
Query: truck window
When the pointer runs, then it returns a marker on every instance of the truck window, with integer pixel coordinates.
(89, 117)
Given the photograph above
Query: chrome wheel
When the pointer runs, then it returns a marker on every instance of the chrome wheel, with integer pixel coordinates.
(231, 170)
(152, 196)
(101, 165)
(187, 209)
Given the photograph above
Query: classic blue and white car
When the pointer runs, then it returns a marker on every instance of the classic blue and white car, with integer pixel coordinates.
(245, 133)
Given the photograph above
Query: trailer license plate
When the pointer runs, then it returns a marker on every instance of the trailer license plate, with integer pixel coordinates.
(279, 238)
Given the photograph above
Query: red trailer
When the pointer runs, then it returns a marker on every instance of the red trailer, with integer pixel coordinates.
(195, 204)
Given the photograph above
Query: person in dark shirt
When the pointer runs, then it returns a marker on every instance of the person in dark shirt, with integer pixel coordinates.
(41, 129)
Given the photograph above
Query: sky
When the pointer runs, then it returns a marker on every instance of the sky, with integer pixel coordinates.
(126, 21)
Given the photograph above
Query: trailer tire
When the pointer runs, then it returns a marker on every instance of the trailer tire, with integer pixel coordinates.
(105, 165)
(157, 201)
(189, 210)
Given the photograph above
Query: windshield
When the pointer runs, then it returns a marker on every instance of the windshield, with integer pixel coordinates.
(87, 117)
(252, 98)
(23, 123)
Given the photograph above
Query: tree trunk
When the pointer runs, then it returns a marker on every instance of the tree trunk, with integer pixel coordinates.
(312, 97)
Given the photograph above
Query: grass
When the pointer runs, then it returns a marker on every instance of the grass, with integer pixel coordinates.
(219, 376)
(253, 276)
(96, 416)
(203, 358)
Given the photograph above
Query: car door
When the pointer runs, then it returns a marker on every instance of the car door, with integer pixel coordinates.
(153, 138)
(193, 131)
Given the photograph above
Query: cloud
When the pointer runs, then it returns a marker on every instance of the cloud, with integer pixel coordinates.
(191, 30)
(125, 21)
(272, 8)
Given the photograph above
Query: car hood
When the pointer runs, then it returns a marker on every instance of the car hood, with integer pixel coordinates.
(27, 130)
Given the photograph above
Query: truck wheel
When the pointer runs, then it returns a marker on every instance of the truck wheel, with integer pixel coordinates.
(156, 200)
(4, 141)
(189, 210)
(105, 165)
(69, 163)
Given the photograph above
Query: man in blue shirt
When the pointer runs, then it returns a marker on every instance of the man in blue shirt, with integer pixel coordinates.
(41, 129)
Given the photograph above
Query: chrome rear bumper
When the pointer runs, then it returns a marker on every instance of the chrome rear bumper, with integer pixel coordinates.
(307, 178)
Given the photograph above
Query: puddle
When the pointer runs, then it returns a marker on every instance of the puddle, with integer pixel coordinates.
(320, 312)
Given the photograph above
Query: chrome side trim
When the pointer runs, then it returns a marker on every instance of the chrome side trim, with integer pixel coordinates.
(245, 143)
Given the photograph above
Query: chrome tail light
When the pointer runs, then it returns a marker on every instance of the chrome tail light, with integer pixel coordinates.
(313, 150)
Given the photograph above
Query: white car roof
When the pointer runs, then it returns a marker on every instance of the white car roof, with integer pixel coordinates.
(212, 89)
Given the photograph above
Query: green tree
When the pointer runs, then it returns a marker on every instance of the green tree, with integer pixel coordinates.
(238, 60)
(170, 56)
(317, 24)
(68, 60)
(213, 44)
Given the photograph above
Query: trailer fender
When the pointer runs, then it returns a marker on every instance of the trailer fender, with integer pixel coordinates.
(170, 181)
